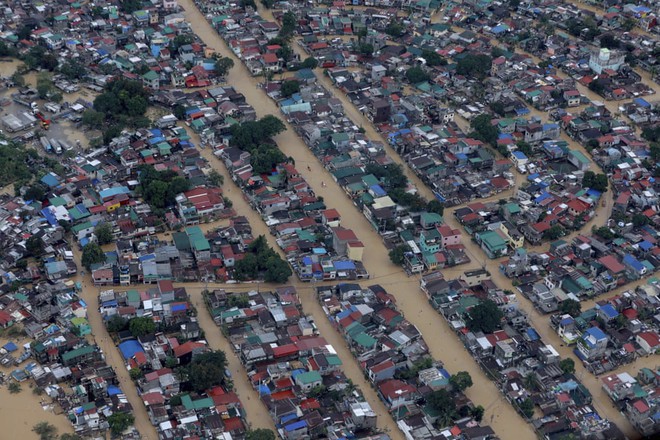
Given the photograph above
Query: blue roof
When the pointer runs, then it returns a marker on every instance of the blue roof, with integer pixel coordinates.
(594, 194)
(645, 245)
(609, 311)
(444, 373)
(544, 195)
(378, 191)
(179, 307)
(50, 179)
(344, 265)
(113, 390)
(596, 333)
(633, 262)
(343, 314)
(264, 390)
(642, 102)
(146, 257)
(531, 333)
(111, 192)
(499, 29)
(522, 110)
(10, 346)
(519, 155)
(319, 251)
(296, 425)
(307, 261)
(49, 216)
(129, 348)
(567, 321)
(288, 418)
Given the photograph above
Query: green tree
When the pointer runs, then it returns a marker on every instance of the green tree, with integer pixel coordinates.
(103, 232)
(180, 112)
(34, 246)
(120, 422)
(527, 408)
(416, 75)
(485, 317)
(365, 49)
(141, 326)
(135, 373)
(478, 413)
(288, 25)
(310, 63)
(18, 79)
(484, 130)
(433, 58)
(555, 232)
(35, 192)
(216, 179)
(398, 254)
(223, 65)
(475, 66)
(72, 69)
(570, 306)
(435, 206)
(639, 220)
(443, 402)
(289, 87)
(567, 365)
(461, 381)
(524, 147)
(260, 434)
(45, 431)
(14, 388)
(277, 270)
(92, 254)
(206, 370)
(395, 28)
(116, 324)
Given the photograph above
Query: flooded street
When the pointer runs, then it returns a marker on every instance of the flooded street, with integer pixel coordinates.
(443, 344)
(20, 412)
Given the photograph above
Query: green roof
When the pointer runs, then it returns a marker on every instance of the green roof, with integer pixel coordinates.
(580, 156)
(57, 201)
(150, 76)
(82, 351)
(333, 359)
(365, 340)
(81, 227)
(133, 295)
(309, 377)
(189, 404)
(77, 321)
(197, 239)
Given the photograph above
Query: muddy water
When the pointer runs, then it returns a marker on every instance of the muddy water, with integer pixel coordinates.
(443, 344)
(20, 412)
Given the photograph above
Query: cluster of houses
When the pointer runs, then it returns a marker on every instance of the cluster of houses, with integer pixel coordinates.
(395, 358)
(636, 396)
(582, 268)
(154, 44)
(296, 372)
(59, 359)
(615, 331)
(154, 358)
(527, 370)
(350, 156)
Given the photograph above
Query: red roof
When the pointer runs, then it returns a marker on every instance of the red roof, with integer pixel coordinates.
(270, 58)
(285, 350)
(612, 264)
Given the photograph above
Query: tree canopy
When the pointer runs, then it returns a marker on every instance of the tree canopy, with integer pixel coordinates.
(206, 370)
(92, 254)
(141, 326)
(416, 75)
(289, 87)
(485, 317)
(120, 422)
(443, 402)
(160, 188)
(260, 434)
(595, 181)
(570, 306)
(262, 259)
(398, 254)
(567, 365)
(45, 431)
(251, 134)
(461, 381)
(103, 232)
(484, 130)
(474, 66)
(223, 65)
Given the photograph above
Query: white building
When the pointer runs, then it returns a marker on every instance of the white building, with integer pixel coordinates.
(606, 59)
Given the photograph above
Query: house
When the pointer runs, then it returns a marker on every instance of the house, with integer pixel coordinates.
(592, 344)
(449, 236)
(578, 159)
(308, 380)
(6, 320)
(151, 80)
(384, 370)
(199, 203)
(572, 98)
(492, 244)
(649, 341)
(341, 237)
(331, 218)
(604, 59)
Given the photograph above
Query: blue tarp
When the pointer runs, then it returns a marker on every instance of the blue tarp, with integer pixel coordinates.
(50, 218)
(264, 390)
(179, 307)
(319, 251)
(378, 191)
(288, 418)
(344, 265)
(129, 348)
(297, 425)
(10, 347)
(642, 102)
(113, 390)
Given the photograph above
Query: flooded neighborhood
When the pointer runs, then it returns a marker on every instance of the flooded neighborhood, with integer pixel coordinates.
(326, 220)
